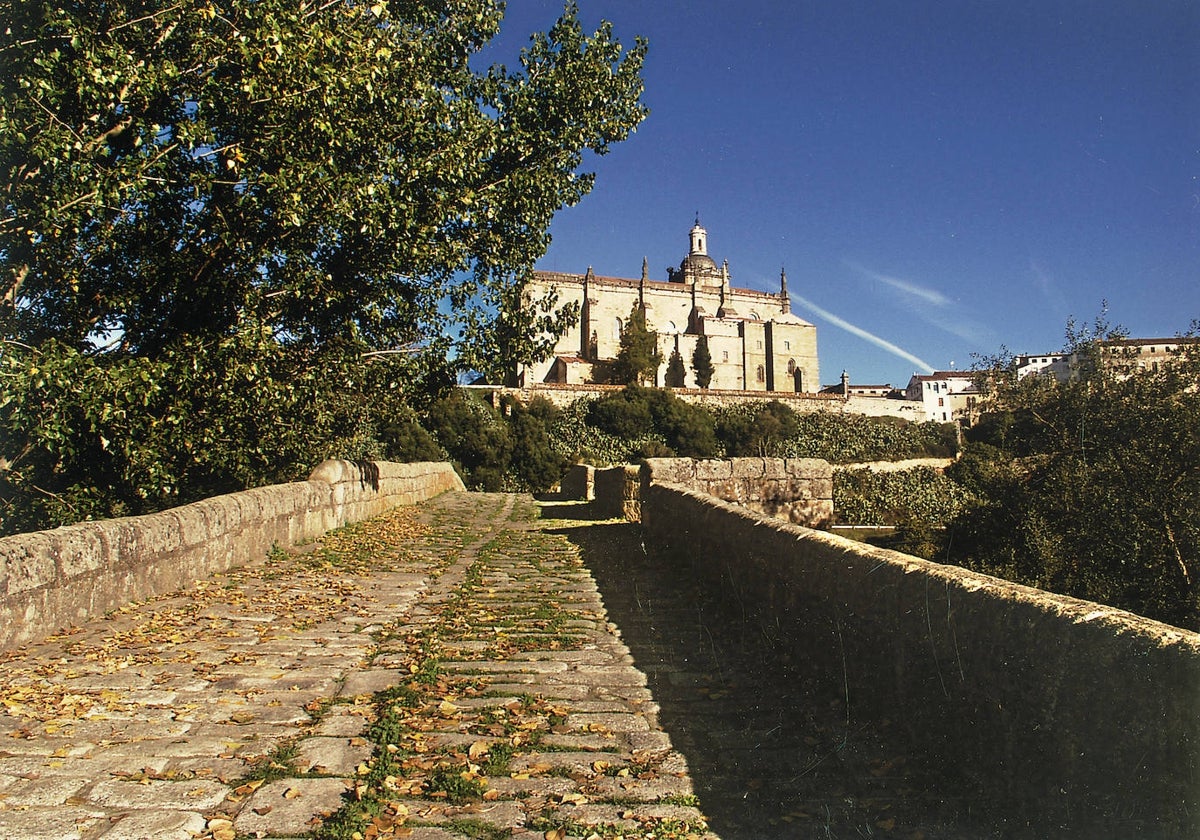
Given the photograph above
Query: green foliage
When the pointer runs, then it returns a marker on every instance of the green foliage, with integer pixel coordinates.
(918, 496)
(702, 363)
(98, 436)
(498, 450)
(406, 440)
(535, 464)
(476, 436)
(638, 358)
(577, 440)
(685, 429)
(758, 430)
(334, 170)
(775, 430)
(1092, 488)
(640, 422)
(676, 373)
(196, 257)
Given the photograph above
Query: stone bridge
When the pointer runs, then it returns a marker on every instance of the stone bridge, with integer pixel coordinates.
(456, 665)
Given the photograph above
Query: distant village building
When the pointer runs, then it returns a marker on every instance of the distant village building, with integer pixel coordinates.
(1057, 365)
(1131, 355)
(755, 341)
(1123, 356)
(946, 395)
(848, 389)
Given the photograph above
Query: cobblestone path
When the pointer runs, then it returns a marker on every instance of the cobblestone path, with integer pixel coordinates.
(468, 668)
(444, 671)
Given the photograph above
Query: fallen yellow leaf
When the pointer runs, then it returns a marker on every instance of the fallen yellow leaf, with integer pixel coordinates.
(478, 749)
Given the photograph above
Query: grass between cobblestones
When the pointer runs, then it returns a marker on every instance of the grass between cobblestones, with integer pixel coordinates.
(440, 743)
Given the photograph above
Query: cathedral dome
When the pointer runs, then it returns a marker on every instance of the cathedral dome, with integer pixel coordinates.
(698, 263)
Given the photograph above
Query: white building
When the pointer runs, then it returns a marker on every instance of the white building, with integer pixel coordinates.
(1057, 365)
(946, 395)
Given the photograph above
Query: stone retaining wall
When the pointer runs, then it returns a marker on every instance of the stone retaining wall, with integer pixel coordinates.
(52, 579)
(1072, 718)
(797, 490)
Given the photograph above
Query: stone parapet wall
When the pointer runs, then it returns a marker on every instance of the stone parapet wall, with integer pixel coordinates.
(618, 493)
(797, 490)
(52, 579)
(1068, 718)
(579, 483)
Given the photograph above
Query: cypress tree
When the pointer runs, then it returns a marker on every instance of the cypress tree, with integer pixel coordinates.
(702, 363)
(639, 357)
(675, 370)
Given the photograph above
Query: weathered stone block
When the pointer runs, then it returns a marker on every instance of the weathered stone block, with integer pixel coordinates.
(807, 468)
(671, 470)
(28, 562)
(748, 468)
(77, 550)
(579, 483)
(713, 470)
(774, 468)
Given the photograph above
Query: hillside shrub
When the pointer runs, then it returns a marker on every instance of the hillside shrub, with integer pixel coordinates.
(492, 450)
(476, 437)
(679, 428)
(88, 436)
(577, 440)
(756, 430)
(921, 495)
(1090, 488)
(534, 462)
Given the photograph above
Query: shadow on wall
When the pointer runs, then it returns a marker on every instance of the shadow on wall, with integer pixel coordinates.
(766, 733)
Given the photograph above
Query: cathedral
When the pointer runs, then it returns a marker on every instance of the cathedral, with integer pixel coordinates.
(755, 341)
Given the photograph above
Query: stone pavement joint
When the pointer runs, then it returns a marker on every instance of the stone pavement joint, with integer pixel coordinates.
(443, 671)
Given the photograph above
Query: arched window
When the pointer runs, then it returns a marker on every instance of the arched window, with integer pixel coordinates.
(617, 327)
(791, 366)
(761, 374)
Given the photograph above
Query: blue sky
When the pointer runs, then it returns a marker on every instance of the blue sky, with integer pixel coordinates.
(938, 178)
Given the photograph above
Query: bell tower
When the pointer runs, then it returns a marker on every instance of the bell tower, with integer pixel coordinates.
(699, 236)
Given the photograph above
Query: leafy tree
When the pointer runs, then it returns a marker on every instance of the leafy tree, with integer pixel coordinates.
(477, 438)
(625, 414)
(702, 363)
(675, 371)
(323, 169)
(684, 429)
(118, 434)
(210, 213)
(498, 450)
(639, 358)
(406, 440)
(535, 463)
(759, 432)
(1097, 494)
(688, 429)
